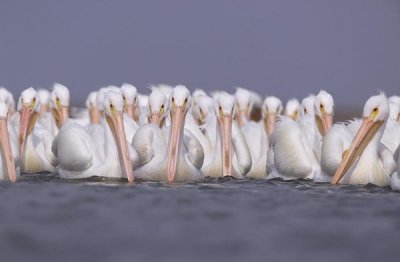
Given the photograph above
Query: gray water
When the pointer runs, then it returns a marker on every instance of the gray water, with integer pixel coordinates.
(43, 218)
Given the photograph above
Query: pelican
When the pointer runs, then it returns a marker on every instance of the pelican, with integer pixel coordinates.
(226, 153)
(7, 98)
(157, 107)
(365, 160)
(244, 105)
(91, 105)
(201, 109)
(181, 159)
(77, 152)
(292, 109)
(297, 145)
(59, 107)
(195, 109)
(272, 108)
(44, 100)
(131, 105)
(34, 140)
(307, 106)
(255, 114)
(254, 133)
(9, 170)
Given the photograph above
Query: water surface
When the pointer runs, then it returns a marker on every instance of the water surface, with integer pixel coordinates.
(43, 218)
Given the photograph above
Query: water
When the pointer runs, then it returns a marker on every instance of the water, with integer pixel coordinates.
(43, 218)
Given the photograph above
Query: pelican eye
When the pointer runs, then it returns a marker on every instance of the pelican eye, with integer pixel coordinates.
(185, 102)
(201, 111)
(173, 100)
(220, 108)
(162, 106)
(305, 111)
(111, 106)
(123, 97)
(375, 110)
(321, 106)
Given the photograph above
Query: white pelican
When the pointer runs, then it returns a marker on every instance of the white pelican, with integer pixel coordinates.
(44, 100)
(292, 109)
(8, 144)
(256, 137)
(226, 153)
(131, 104)
(365, 160)
(201, 109)
(297, 145)
(59, 106)
(157, 107)
(272, 108)
(307, 106)
(244, 105)
(91, 105)
(77, 152)
(34, 140)
(7, 98)
(195, 108)
(182, 158)
(255, 114)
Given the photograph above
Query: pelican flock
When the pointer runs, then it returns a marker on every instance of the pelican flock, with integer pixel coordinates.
(173, 135)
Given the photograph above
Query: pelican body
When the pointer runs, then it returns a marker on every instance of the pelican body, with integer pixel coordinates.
(77, 151)
(365, 160)
(178, 159)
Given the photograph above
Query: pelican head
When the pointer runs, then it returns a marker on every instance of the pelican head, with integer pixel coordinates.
(157, 107)
(28, 107)
(5, 143)
(224, 109)
(91, 105)
(179, 105)
(166, 89)
(101, 96)
(7, 98)
(201, 109)
(323, 109)
(292, 109)
(129, 94)
(307, 106)
(244, 105)
(113, 112)
(60, 103)
(198, 93)
(143, 100)
(376, 112)
(44, 99)
(272, 108)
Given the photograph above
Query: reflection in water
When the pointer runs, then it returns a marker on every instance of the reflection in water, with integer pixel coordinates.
(44, 218)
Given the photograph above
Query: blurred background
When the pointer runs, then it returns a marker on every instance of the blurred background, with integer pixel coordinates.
(288, 48)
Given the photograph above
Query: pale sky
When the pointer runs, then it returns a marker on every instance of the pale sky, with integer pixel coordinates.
(287, 48)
